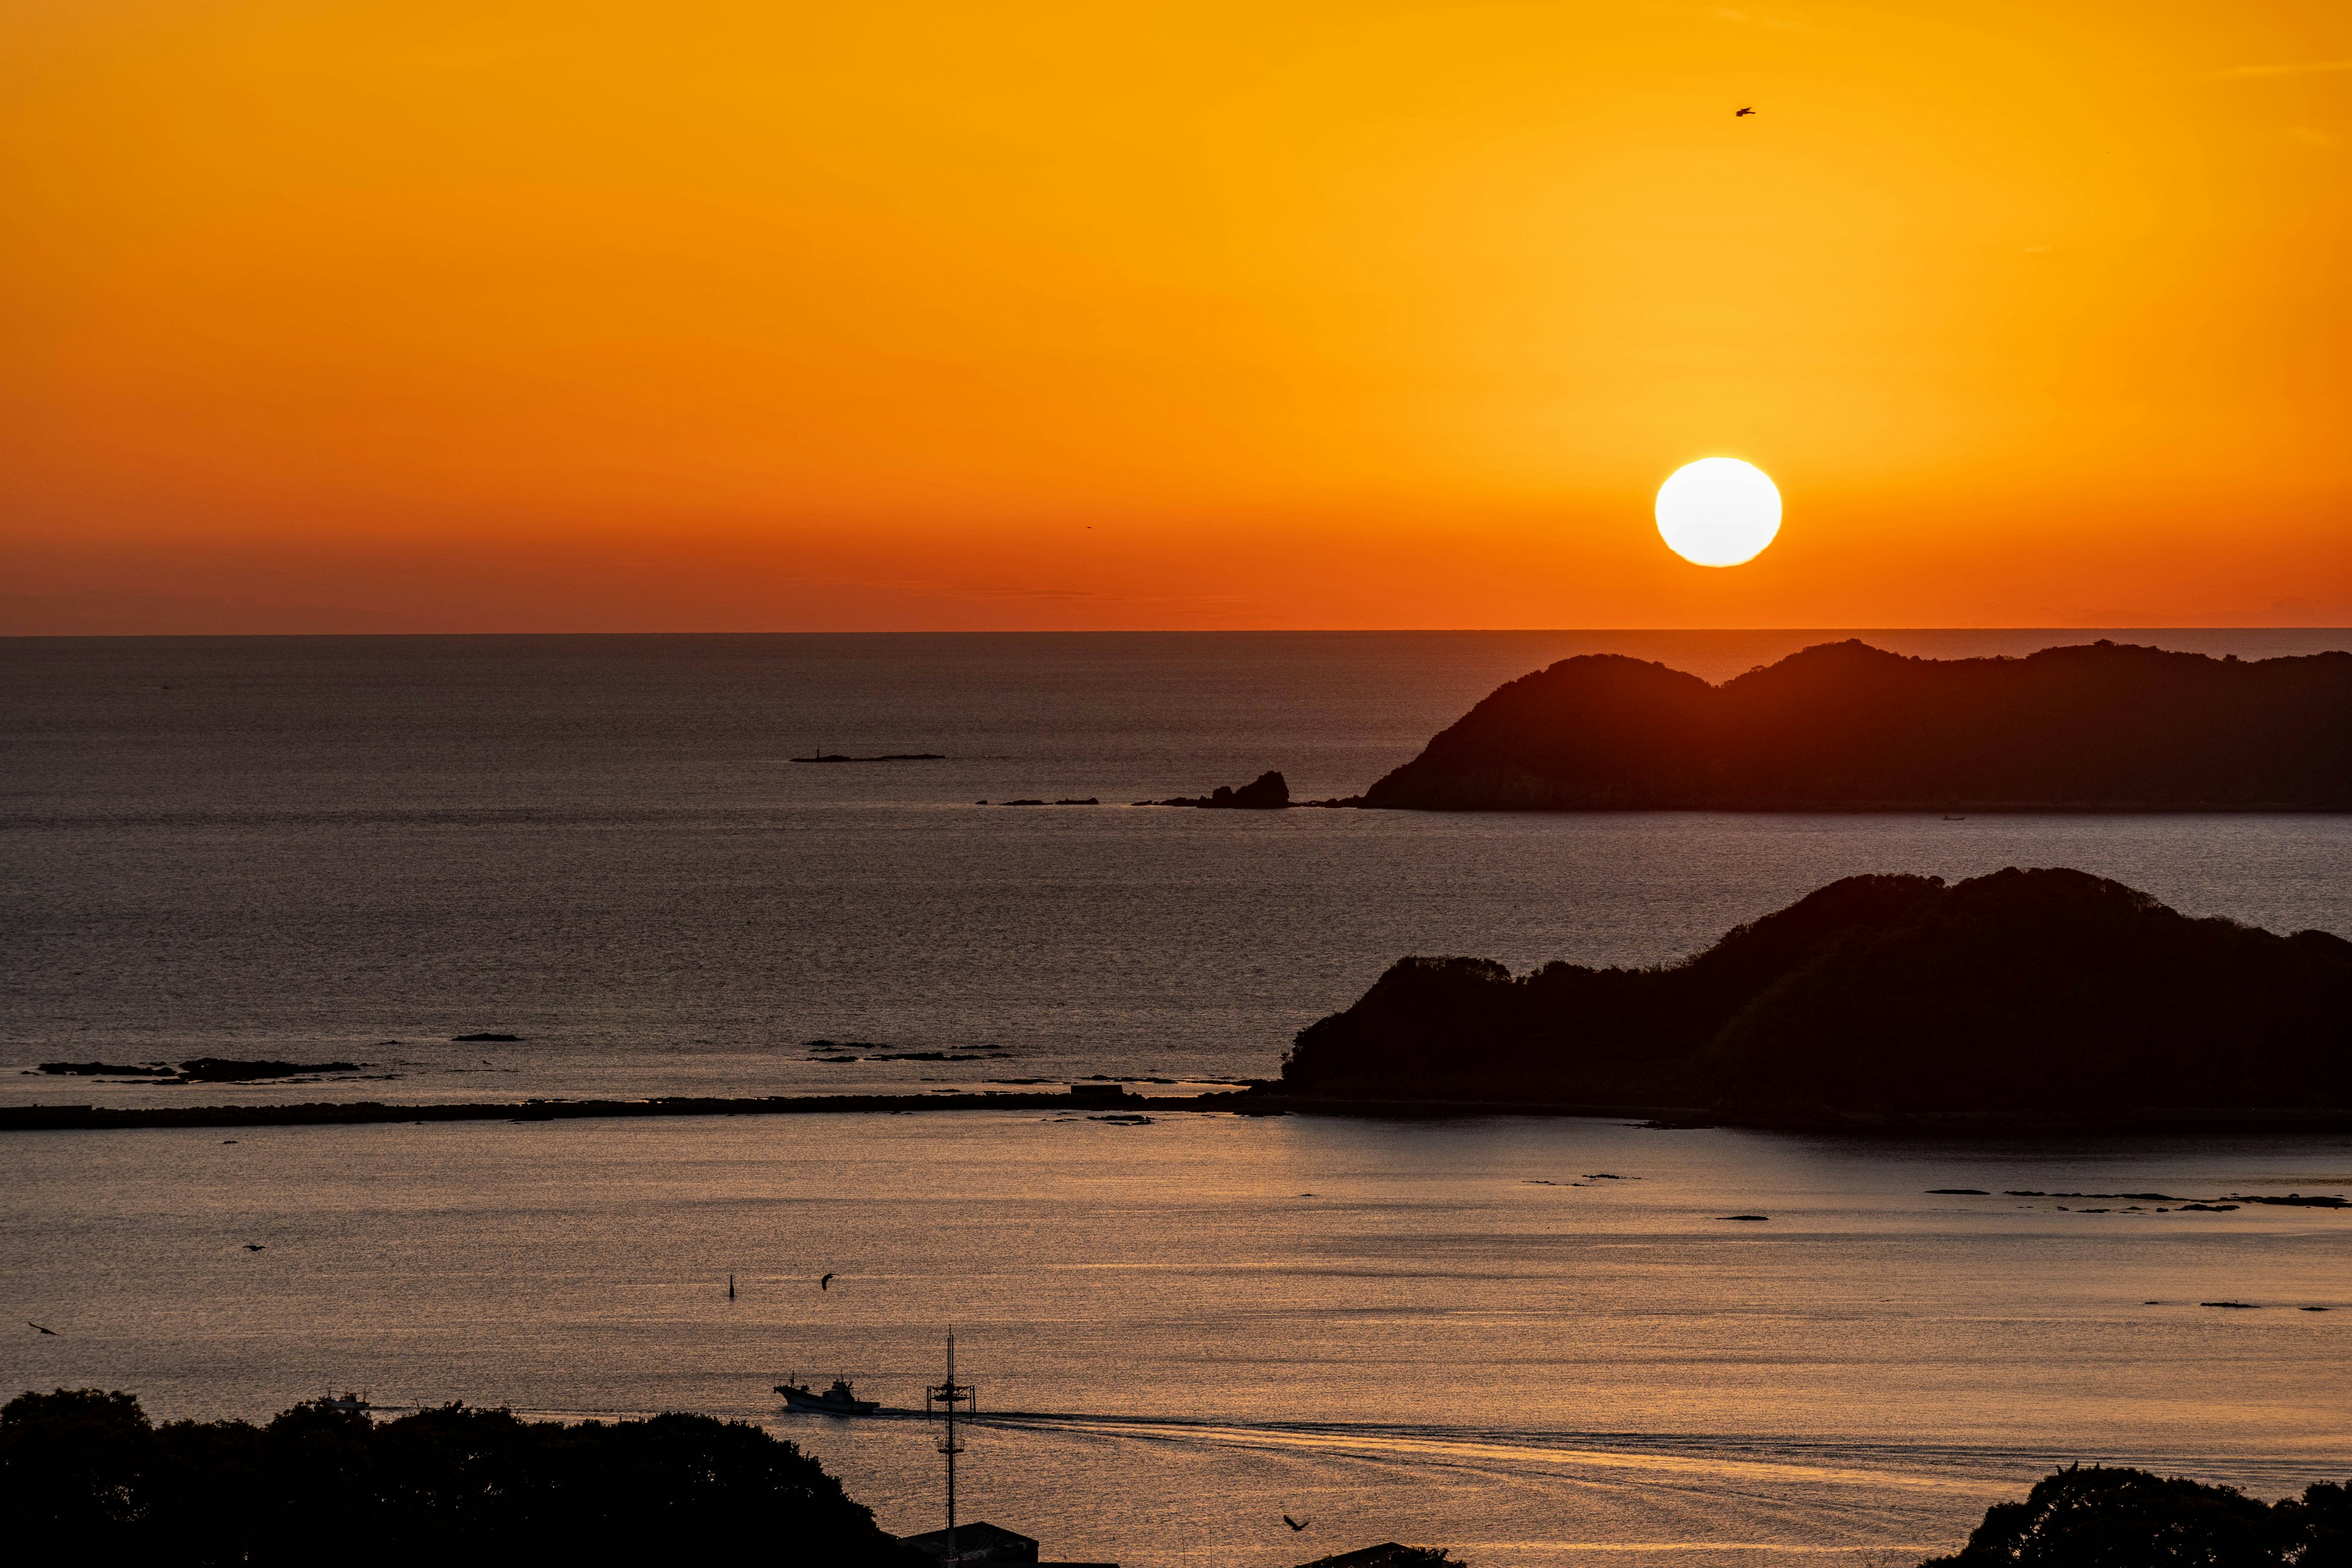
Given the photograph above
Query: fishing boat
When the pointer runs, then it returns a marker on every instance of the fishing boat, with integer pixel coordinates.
(841, 1399)
(347, 1404)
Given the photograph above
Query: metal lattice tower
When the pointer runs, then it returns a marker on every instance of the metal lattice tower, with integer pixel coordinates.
(941, 1399)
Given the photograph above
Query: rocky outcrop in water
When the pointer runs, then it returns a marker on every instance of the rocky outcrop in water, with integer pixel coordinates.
(1844, 726)
(197, 1069)
(1267, 792)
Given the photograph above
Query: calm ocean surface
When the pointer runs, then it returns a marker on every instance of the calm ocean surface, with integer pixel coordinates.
(1396, 1331)
(358, 848)
(355, 849)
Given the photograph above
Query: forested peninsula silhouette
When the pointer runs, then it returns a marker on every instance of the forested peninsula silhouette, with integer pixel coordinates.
(2034, 990)
(1845, 726)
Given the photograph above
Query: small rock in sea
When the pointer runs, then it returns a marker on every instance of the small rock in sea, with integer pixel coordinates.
(2236, 1306)
(2315, 1309)
(2022, 1193)
(2208, 1208)
(2151, 1303)
(487, 1039)
(1958, 1193)
(1024, 803)
(1267, 792)
(1608, 1176)
(1743, 1217)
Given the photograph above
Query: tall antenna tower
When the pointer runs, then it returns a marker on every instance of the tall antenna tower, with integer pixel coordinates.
(942, 1398)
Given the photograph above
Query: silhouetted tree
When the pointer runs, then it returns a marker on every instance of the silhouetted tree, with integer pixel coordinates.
(84, 1475)
(2119, 1517)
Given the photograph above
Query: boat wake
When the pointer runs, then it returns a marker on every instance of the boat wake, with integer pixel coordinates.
(1712, 1461)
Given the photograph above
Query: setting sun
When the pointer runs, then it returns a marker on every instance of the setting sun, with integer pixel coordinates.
(1718, 512)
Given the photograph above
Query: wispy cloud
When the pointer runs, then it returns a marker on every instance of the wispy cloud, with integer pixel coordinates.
(2305, 67)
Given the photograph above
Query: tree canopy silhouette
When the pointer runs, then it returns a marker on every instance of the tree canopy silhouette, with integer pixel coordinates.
(2118, 1518)
(84, 1475)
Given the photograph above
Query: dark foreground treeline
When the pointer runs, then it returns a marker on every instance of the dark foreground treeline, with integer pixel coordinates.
(2101, 1518)
(2017, 992)
(85, 1476)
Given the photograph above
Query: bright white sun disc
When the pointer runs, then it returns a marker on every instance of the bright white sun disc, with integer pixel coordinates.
(1718, 512)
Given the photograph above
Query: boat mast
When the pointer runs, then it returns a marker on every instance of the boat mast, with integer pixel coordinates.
(945, 1398)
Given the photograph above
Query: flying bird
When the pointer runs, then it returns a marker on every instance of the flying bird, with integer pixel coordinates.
(1295, 1524)
(826, 1283)
(253, 1246)
(52, 1333)
(1741, 113)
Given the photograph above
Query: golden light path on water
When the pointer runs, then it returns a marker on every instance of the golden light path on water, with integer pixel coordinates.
(1454, 1332)
(1714, 1468)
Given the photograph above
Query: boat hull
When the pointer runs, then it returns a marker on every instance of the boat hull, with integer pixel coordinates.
(826, 1404)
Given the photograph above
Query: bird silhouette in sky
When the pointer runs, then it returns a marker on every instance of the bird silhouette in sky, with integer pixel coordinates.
(1295, 1524)
(826, 1283)
(52, 1333)
(1741, 113)
(253, 1246)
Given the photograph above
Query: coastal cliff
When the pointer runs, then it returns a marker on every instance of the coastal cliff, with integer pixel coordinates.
(2022, 991)
(1845, 726)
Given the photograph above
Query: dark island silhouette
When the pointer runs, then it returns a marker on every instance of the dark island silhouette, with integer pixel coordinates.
(887, 757)
(86, 1476)
(1845, 726)
(2031, 992)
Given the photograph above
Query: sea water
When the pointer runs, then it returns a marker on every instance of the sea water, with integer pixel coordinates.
(1536, 1341)
(355, 849)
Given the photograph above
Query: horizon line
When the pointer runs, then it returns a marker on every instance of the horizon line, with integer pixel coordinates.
(1177, 631)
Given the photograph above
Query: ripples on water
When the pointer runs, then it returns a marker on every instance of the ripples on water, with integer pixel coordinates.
(357, 849)
(303, 848)
(1436, 1344)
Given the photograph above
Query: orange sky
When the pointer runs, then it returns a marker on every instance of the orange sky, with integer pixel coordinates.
(558, 314)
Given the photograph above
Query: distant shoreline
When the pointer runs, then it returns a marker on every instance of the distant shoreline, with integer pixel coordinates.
(1232, 1102)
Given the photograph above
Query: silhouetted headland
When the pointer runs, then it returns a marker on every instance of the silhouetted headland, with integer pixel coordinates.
(1267, 792)
(2022, 992)
(1844, 726)
(86, 1476)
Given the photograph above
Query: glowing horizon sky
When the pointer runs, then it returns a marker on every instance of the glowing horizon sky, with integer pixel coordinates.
(526, 316)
